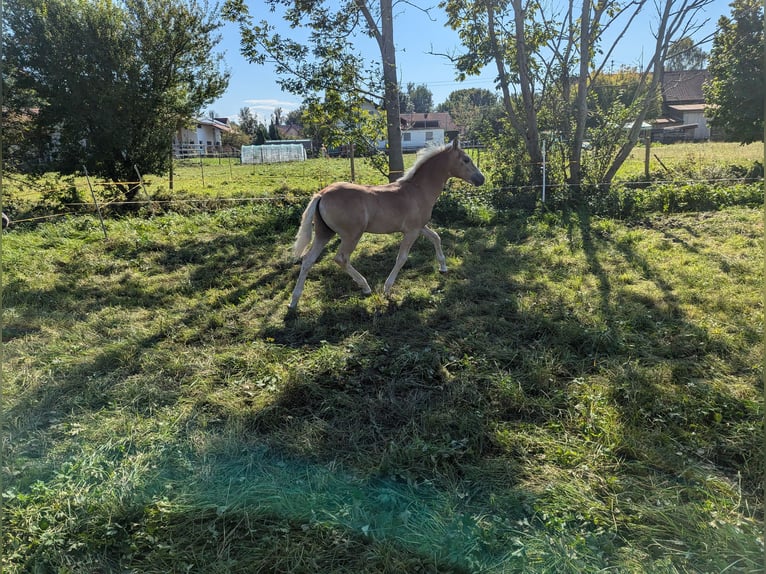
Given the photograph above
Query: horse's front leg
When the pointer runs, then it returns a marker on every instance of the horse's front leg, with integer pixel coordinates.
(436, 240)
(404, 251)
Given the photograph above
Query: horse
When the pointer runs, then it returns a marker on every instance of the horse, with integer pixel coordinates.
(403, 206)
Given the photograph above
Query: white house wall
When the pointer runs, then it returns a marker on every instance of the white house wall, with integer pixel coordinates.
(702, 132)
(419, 139)
(203, 136)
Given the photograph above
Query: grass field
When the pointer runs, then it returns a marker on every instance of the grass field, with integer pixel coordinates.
(226, 179)
(577, 394)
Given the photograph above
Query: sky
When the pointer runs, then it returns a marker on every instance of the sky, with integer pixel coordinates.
(418, 35)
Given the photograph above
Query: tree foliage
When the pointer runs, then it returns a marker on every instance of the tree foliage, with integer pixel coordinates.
(475, 110)
(110, 81)
(735, 92)
(327, 69)
(546, 62)
(685, 54)
(421, 97)
(248, 123)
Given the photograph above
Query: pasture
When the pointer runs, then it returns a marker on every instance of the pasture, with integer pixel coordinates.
(225, 179)
(577, 394)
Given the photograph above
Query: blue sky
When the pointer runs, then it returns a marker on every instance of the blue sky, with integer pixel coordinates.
(416, 34)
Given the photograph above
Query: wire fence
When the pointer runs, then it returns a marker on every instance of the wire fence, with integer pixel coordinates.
(226, 181)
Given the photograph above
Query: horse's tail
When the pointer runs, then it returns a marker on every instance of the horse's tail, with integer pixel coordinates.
(303, 237)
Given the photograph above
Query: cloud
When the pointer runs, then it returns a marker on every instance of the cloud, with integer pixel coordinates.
(264, 108)
(270, 104)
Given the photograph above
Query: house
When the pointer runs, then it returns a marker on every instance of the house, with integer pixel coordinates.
(201, 137)
(290, 131)
(425, 129)
(683, 108)
(419, 130)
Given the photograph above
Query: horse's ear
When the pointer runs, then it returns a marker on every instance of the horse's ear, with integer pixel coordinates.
(455, 143)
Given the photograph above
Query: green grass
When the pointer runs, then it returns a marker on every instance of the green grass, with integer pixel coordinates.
(696, 177)
(220, 178)
(682, 159)
(577, 394)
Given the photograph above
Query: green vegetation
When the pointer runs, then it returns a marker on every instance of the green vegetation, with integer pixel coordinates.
(577, 394)
(703, 171)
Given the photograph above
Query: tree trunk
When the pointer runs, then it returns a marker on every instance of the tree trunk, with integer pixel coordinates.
(581, 99)
(526, 124)
(391, 94)
(531, 132)
(664, 37)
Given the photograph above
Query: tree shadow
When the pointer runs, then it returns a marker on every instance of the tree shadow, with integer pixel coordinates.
(436, 385)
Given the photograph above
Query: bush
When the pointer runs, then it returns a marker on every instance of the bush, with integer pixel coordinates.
(674, 197)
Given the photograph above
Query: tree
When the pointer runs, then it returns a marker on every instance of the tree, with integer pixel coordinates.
(685, 54)
(546, 66)
(331, 69)
(113, 80)
(421, 97)
(248, 123)
(295, 117)
(277, 116)
(235, 138)
(276, 121)
(405, 103)
(735, 92)
(261, 135)
(475, 110)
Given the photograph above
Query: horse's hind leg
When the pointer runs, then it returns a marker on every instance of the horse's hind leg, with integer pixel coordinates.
(323, 234)
(436, 240)
(343, 258)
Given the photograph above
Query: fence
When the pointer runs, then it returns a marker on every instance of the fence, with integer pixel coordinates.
(186, 151)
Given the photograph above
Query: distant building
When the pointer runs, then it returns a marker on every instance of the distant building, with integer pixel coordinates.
(290, 132)
(683, 108)
(201, 137)
(420, 130)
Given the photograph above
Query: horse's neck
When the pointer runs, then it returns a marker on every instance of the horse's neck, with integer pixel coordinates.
(431, 178)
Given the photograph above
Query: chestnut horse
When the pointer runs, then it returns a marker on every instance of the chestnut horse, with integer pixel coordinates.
(403, 206)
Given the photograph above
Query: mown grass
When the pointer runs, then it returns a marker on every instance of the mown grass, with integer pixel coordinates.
(707, 159)
(577, 394)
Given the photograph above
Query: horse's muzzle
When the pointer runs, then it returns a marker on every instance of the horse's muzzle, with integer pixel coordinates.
(477, 179)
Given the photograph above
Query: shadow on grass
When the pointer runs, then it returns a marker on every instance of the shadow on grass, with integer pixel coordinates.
(427, 397)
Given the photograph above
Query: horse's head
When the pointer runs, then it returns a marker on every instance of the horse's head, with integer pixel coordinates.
(462, 166)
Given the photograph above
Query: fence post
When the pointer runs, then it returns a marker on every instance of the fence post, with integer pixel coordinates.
(647, 151)
(95, 201)
(544, 171)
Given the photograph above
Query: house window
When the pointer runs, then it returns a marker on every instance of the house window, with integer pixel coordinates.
(429, 136)
(406, 137)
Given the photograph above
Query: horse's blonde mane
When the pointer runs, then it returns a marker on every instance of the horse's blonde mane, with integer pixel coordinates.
(423, 156)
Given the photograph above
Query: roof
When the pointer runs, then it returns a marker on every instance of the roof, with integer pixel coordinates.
(688, 107)
(428, 120)
(684, 87)
(217, 123)
(290, 131)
